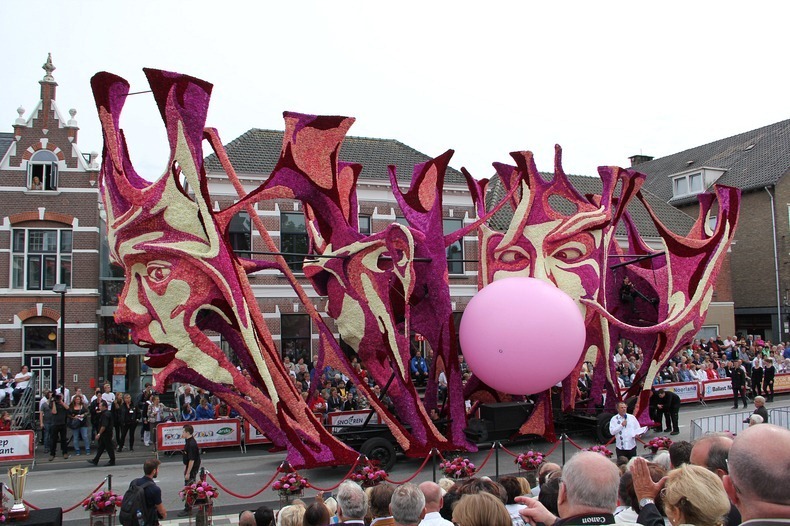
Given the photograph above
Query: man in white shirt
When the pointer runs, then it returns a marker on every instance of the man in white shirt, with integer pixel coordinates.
(108, 396)
(64, 393)
(625, 428)
(433, 503)
(21, 381)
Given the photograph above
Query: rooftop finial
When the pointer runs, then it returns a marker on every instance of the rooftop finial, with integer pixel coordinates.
(49, 67)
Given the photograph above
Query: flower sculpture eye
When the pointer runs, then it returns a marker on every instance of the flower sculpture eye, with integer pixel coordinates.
(571, 252)
(158, 271)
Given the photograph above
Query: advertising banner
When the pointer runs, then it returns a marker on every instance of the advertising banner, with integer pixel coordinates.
(208, 433)
(687, 391)
(16, 445)
(349, 418)
(782, 383)
(253, 436)
(717, 389)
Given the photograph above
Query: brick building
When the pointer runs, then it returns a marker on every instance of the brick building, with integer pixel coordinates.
(49, 235)
(757, 162)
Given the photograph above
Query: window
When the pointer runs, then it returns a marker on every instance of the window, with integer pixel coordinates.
(41, 258)
(687, 184)
(42, 171)
(240, 234)
(708, 332)
(41, 338)
(295, 336)
(455, 252)
(293, 239)
(364, 225)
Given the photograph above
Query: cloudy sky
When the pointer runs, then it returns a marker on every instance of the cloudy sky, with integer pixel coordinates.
(605, 80)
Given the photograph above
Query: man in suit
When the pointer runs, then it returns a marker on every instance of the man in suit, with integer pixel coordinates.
(352, 503)
(669, 408)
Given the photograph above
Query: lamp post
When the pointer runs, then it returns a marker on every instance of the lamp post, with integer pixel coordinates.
(61, 288)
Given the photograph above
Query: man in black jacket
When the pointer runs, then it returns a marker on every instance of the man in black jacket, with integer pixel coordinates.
(738, 384)
(58, 428)
(669, 408)
(104, 436)
(191, 454)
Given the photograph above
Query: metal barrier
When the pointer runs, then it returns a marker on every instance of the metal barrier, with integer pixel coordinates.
(734, 422)
(23, 413)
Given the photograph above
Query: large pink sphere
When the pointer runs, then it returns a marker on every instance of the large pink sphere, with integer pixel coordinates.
(522, 335)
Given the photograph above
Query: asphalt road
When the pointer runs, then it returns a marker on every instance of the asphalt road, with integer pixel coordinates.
(63, 483)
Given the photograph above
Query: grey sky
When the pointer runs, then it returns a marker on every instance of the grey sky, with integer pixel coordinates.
(603, 79)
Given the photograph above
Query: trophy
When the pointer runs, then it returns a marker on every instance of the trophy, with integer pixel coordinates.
(18, 475)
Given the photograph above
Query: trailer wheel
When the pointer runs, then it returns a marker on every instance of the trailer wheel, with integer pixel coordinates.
(380, 450)
(602, 427)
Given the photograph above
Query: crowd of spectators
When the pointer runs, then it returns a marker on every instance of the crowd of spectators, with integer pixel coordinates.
(716, 481)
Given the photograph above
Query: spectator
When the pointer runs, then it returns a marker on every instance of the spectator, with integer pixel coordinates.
(292, 515)
(78, 417)
(352, 503)
(433, 503)
(711, 452)
(550, 492)
(108, 395)
(513, 490)
(679, 453)
(350, 404)
(588, 494)
(153, 493)
(316, 514)
(129, 417)
(264, 516)
(64, 392)
(6, 386)
(738, 378)
(379, 509)
(754, 420)
(692, 495)
(45, 418)
(419, 369)
(187, 413)
(204, 411)
(187, 397)
(759, 409)
(757, 483)
(247, 518)
(21, 381)
(335, 403)
(408, 505)
(117, 416)
(482, 509)
(769, 374)
(58, 429)
(629, 508)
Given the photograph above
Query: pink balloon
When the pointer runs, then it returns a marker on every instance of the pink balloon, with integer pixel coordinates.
(522, 335)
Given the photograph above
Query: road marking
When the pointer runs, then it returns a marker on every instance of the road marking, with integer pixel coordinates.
(43, 490)
(245, 474)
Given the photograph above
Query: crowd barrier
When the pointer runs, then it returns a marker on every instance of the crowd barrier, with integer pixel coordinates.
(708, 390)
(734, 422)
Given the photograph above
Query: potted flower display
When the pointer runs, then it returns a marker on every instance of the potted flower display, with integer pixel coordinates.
(530, 461)
(458, 468)
(290, 486)
(100, 504)
(603, 450)
(658, 443)
(368, 475)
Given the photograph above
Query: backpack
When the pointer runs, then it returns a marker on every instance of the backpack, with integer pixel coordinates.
(134, 500)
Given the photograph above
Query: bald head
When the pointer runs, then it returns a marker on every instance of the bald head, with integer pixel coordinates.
(433, 496)
(711, 452)
(247, 518)
(590, 483)
(758, 481)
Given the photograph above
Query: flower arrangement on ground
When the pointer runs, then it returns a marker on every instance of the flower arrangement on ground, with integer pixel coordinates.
(659, 443)
(290, 484)
(530, 460)
(101, 502)
(368, 475)
(458, 468)
(603, 450)
(198, 492)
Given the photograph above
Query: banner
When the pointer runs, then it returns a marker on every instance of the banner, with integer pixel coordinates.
(349, 418)
(253, 436)
(119, 365)
(782, 383)
(717, 389)
(687, 391)
(208, 433)
(16, 445)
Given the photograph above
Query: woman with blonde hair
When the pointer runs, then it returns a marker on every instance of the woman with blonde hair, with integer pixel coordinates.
(694, 495)
(292, 515)
(480, 509)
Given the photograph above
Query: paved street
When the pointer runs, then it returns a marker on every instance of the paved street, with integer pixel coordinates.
(65, 482)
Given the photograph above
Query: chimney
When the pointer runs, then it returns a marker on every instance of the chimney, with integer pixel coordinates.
(639, 159)
(48, 86)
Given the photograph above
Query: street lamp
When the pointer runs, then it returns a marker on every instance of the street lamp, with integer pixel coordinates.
(61, 288)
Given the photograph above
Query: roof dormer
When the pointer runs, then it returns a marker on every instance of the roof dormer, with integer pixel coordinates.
(694, 181)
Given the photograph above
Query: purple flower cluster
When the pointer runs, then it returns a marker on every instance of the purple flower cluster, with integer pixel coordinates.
(530, 460)
(457, 468)
(99, 501)
(603, 450)
(369, 476)
(199, 491)
(290, 484)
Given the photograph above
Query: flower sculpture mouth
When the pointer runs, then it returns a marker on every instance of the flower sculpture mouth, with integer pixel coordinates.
(158, 356)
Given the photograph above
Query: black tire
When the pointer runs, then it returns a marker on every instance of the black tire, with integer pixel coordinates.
(379, 450)
(602, 427)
